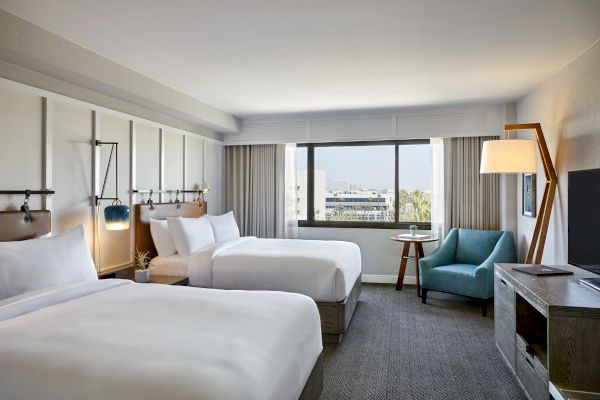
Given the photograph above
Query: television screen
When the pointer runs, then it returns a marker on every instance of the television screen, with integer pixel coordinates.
(584, 219)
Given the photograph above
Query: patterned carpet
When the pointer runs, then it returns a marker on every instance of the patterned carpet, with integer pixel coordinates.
(398, 348)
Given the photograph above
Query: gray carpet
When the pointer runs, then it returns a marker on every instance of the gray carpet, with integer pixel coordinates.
(398, 348)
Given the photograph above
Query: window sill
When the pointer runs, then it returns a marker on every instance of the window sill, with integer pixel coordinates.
(363, 225)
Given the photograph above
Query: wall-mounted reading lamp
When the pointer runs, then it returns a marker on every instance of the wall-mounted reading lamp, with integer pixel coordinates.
(116, 216)
(198, 194)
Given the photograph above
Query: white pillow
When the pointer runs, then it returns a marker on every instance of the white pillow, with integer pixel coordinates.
(190, 234)
(159, 229)
(41, 263)
(224, 226)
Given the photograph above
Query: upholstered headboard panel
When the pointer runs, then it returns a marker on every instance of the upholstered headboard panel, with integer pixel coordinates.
(13, 225)
(143, 213)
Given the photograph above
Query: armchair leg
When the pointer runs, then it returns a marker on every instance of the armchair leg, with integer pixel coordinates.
(423, 295)
(484, 307)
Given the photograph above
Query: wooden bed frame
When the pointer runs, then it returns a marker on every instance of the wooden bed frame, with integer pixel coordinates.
(335, 317)
(13, 227)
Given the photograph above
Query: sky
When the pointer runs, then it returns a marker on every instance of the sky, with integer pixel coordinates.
(372, 167)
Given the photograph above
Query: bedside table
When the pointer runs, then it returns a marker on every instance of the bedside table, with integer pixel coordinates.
(124, 271)
(169, 280)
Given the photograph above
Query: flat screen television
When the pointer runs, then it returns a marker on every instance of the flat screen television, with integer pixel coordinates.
(584, 219)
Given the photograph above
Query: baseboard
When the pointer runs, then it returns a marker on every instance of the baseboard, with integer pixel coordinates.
(368, 278)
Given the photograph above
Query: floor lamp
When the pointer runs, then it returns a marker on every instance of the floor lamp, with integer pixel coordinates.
(512, 156)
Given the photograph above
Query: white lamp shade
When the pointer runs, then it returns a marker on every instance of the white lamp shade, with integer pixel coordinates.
(508, 157)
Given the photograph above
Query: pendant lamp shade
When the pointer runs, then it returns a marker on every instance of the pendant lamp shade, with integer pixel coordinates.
(508, 157)
(116, 217)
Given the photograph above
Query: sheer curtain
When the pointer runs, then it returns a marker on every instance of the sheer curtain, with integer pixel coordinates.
(287, 205)
(261, 189)
(438, 222)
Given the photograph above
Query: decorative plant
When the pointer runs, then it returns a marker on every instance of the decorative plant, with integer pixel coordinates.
(142, 261)
(412, 227)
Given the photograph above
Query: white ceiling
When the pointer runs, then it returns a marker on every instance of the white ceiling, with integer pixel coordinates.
(270, 56)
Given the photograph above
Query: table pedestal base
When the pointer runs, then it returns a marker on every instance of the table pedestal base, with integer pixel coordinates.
(404, 260)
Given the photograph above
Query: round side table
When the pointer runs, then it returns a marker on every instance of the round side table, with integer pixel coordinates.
(418, 242)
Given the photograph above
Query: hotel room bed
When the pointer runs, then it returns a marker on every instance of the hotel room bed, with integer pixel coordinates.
(323, 270)
(67, 335)
(114, 339)
(327, 271)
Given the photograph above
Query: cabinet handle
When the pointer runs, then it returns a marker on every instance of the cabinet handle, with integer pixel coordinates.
(503, 281)
(530, 364)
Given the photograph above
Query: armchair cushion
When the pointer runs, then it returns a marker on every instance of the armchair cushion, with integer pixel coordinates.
(457, 278)
(474, 246)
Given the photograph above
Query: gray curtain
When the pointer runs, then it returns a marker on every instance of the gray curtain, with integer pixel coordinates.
(472, 199)
(251, 188)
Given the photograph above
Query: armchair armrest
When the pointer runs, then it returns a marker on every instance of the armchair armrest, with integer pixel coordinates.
(504, 252)
(443, 255)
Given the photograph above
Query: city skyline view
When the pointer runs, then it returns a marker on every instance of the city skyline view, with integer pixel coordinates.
(357, 183)
(356, 164)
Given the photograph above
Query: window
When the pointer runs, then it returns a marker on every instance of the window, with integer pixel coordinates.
(364, 184)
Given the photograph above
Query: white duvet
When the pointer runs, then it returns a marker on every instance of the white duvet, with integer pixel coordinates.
(323, 270)
(114, 339)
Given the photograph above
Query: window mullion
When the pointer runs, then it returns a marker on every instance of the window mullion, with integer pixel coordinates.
(397, 187)
(310, 183)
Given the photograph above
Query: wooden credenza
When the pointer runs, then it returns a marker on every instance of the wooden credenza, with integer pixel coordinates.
(548, 330)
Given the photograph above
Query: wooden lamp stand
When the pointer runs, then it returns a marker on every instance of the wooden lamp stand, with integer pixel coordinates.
(543, 218)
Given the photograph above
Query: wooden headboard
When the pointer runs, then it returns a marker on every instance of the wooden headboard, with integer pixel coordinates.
(143, 213)
(13, 226)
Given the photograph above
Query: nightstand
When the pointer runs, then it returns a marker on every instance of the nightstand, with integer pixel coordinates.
(169, 280)
(124, 271)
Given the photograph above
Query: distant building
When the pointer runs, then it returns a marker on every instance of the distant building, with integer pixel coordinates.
(347, 203)
(359, 206)
(341, 185)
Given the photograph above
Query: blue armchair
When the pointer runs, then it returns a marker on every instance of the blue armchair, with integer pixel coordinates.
(464, 264)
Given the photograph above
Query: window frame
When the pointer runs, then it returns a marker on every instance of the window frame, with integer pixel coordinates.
(310, 221)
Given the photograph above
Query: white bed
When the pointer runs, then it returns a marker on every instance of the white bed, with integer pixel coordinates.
(326, 271)
(65, 335)
(114, 339)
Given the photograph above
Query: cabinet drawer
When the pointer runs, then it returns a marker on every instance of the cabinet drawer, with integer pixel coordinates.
(536, 387)
(504, 333)
(534, 359)
(504, 292)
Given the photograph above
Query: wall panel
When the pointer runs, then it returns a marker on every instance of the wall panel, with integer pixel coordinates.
(147, 158)
(194, 161)
(173, 159)
(20, 147)
(72, 168)
(214, 168)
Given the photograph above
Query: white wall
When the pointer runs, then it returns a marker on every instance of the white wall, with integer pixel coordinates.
(150, 156)
(568, 107)
(380, 255)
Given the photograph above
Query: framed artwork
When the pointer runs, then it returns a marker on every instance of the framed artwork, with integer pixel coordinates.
(529, 190)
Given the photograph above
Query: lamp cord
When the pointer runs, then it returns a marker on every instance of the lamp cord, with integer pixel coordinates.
(112, 147)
